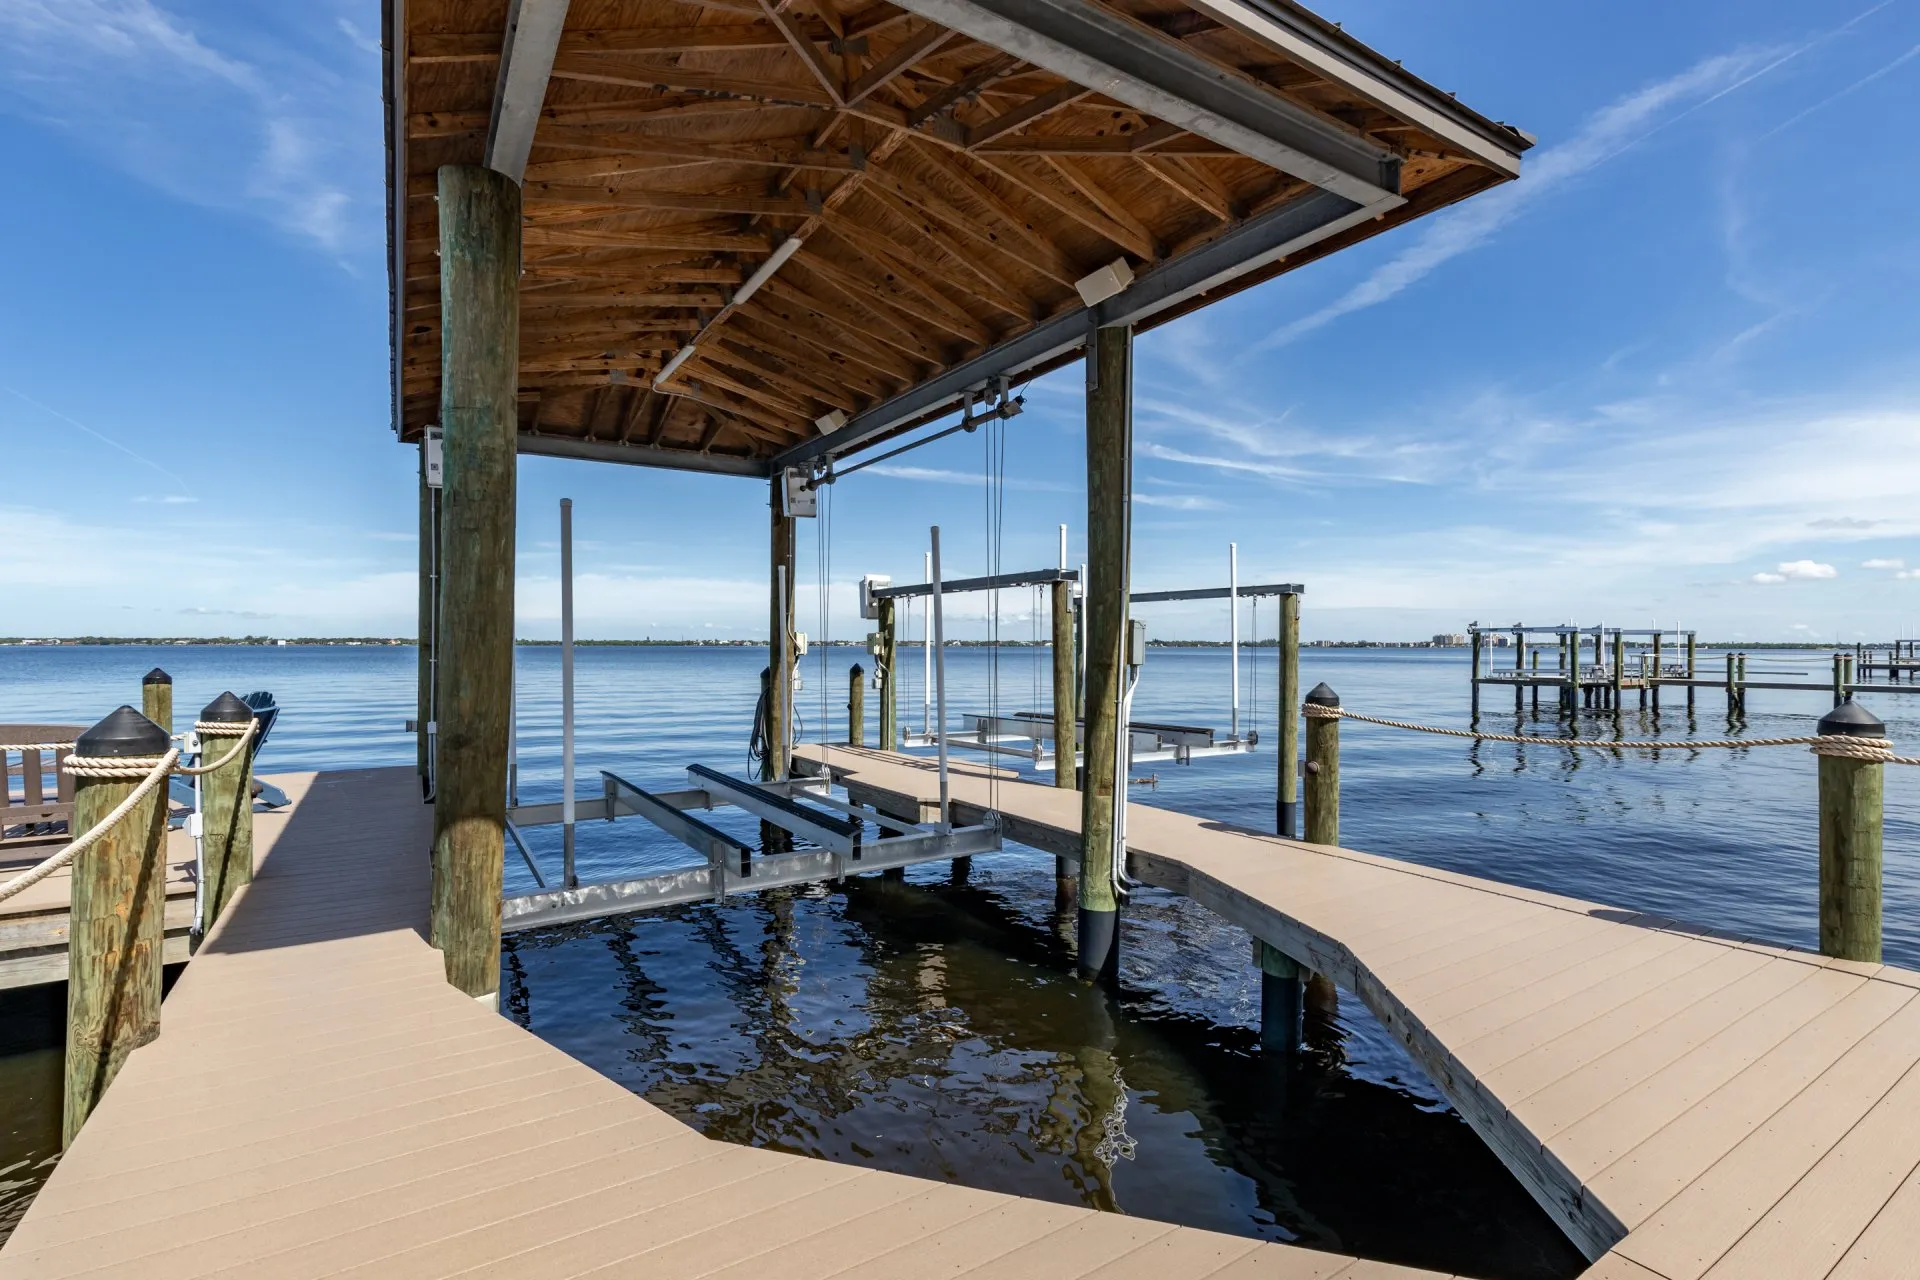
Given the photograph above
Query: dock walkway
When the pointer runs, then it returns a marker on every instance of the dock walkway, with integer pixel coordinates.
(1687, 1106)
(321, 1103)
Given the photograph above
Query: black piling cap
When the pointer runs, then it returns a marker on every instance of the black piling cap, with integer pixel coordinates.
(124, 732)
(1321, 696)
(156, 676)
(857, 670)
(226, 709)
(1852, 720)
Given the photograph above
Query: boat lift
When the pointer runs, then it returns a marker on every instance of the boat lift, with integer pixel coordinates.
(840, 838)
(1029, 735)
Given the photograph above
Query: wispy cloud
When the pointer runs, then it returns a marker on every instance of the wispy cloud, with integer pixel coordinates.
(940, 475)
(1883, 564)
(1177, 501)
(274, 133)
(1609, 132)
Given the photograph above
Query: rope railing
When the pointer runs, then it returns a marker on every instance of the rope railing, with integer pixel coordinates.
(151, 770)
(1876, 750)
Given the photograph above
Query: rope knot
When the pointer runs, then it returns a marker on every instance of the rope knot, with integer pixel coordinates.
(1841, 746)
(114, 766)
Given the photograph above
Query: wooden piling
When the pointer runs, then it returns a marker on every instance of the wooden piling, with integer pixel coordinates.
(479, 414)
(1281, 998)
(1323, 768)
(226, 806)
(780, 568)
(118, 907)
(1693, 667)
(1839, 679)
(1851, 821)
(1619, 669)
(889, 680)
(856, 706)
(1533, 682)
(1288, 702)
(1474, 713)
(156, 698)
(1065, 728)
(1109, 475)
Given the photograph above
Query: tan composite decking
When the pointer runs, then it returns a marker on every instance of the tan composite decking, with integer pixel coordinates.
(1692, 1107)
(321, 1103)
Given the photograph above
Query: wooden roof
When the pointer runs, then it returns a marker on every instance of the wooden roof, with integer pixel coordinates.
(945, 167)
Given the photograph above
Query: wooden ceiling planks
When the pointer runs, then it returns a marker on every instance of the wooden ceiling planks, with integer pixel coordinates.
(948, 195)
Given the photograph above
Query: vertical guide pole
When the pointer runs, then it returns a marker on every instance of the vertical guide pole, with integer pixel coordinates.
(1233, 632)
(118, 904)
(479, 414)
(1693, 657)
(1109, 450)
(1851, 828)
(889, 680)
(940, 670)
(1288, 699)
(429, 640)
(926, 652)
(568, 878)
(1066, 730)
(156, 698)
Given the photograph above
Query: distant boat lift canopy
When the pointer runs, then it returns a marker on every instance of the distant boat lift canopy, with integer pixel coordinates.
(758, 238)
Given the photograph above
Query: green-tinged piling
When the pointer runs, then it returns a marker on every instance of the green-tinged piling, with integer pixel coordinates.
(118, 908)
(1851, 820)
(226, 805)
(479, 414)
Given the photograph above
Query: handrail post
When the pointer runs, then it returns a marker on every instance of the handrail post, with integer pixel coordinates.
(226, 807)
(1323, 767)
(116, 934)
(856, 706)
(1851, 820)
(156, 698)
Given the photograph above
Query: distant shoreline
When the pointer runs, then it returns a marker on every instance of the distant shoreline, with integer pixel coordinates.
(389, 642)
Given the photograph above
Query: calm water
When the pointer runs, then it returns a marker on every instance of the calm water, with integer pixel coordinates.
(928, 1028)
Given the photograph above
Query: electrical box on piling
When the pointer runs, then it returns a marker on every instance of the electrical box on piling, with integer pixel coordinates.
(869, 606)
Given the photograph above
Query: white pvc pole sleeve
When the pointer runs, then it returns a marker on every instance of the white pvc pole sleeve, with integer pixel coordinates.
(940, 670)
(566, 661)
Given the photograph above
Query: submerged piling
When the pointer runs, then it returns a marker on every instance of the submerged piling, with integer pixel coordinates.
(1282, 998)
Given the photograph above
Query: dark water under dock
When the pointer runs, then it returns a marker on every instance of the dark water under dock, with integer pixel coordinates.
(930, 1028)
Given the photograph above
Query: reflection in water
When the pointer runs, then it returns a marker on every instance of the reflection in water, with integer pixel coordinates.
(32, 1054)
(933, 1028)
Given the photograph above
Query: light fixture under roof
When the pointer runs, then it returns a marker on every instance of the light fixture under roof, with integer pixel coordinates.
(1105, 283)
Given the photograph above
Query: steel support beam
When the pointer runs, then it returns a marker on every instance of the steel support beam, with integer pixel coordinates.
(1033, 578)
(1131, 62)
(1219, 593)
(635, 455)
(526, 64)
(1249, 246)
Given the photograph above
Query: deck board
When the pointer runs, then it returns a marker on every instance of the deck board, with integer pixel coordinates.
(321, 1103)
(1688, 1104)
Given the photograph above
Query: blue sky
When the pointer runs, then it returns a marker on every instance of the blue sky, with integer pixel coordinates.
(1673, 374)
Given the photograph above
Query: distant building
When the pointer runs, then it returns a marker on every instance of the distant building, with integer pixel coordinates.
(1450, 640)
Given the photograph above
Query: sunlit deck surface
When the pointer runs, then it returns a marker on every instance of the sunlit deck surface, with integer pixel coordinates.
(1684, 1104)
(321, 1103)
